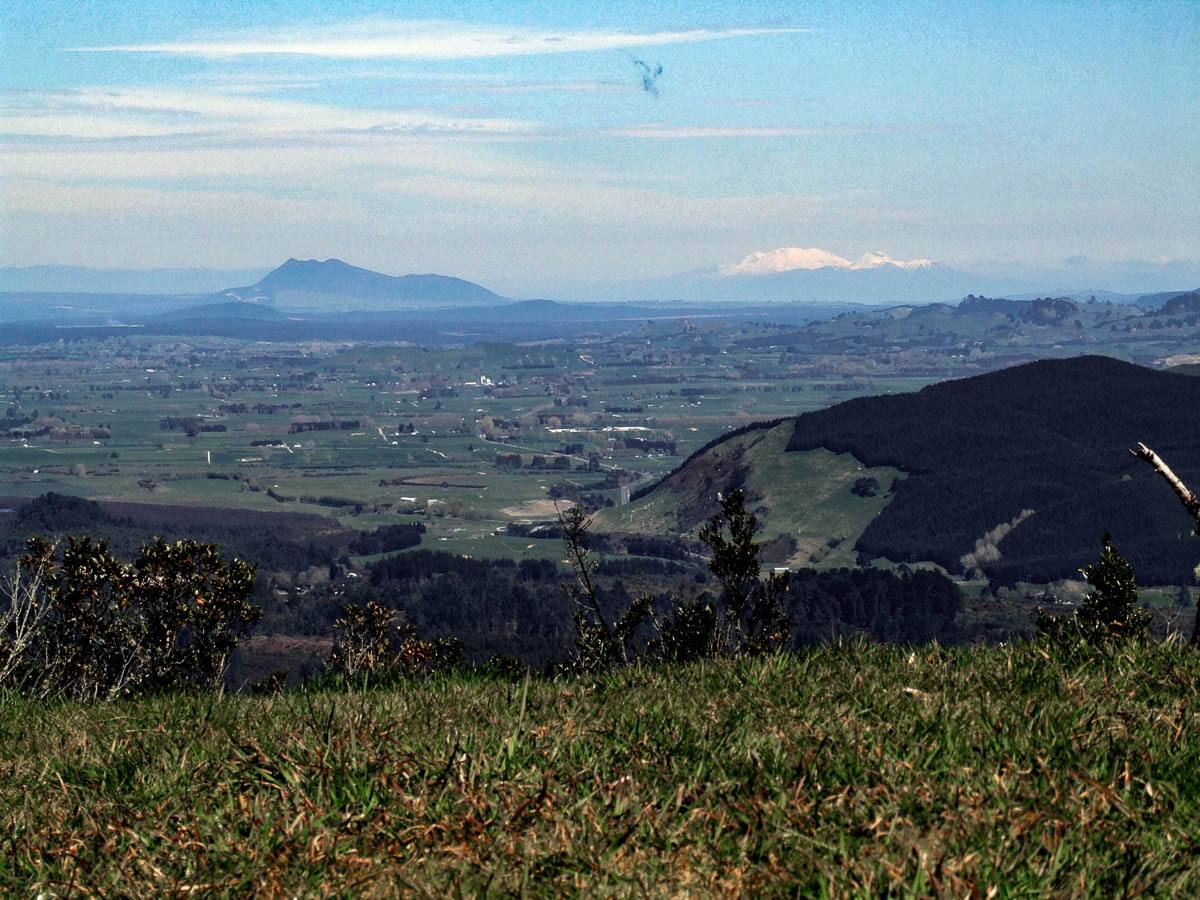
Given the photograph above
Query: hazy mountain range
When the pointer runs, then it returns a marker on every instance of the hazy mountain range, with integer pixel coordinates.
(795, 274)
(785, 274)
(304, 299)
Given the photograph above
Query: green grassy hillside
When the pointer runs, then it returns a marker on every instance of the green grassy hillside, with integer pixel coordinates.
(1042, 446)
(805, 498)
(851, 770)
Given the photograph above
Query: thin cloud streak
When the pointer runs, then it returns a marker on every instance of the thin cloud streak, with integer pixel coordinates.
(156, 112)
(685, 132)
(546, 87)
(431, 40)
(457, 82)
(302, 162)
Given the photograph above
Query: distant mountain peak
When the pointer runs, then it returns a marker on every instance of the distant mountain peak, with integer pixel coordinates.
(874, 259)
(784, 259)
(790, 259)
(334, 283)
(323, 275)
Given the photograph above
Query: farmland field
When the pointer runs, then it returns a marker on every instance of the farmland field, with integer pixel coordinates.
(472, 438)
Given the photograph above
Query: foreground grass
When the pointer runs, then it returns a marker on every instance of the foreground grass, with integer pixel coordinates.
(847, 770)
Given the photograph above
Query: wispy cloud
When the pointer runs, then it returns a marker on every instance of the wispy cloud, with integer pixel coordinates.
(300, 162)
(538, 87)
(243, 82)
(156, 112)
(122, 201)
(430, 40)
(683, 132)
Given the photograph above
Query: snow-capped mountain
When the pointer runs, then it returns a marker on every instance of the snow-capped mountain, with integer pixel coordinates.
(790, 259)
(783, 259)
(874, 259)
(813, 274)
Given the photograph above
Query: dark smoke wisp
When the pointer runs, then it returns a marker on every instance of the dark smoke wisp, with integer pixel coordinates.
(650, 75)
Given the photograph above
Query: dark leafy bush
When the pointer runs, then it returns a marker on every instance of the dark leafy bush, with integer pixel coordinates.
(753, 614)
(97, 628)
(865, 487)
(691, 633)
(373, 643)
(1109, 613)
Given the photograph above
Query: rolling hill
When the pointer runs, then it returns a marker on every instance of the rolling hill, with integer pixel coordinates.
(1016, 474)
(231, 309)
(987, 324)
(1159, 300)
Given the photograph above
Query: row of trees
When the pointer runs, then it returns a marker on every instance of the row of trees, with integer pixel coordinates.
(84, 625)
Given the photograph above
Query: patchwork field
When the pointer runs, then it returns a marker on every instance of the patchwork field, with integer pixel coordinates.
(469, 438)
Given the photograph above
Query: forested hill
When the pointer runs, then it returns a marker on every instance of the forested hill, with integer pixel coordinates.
(1051, 437)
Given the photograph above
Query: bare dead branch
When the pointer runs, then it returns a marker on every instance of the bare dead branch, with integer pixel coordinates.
(1188, 498)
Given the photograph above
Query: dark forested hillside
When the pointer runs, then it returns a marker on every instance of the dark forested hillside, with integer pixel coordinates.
(287, 542)
(1051, 437)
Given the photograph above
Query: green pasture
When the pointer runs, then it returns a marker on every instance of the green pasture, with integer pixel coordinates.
(129, 385)
(805, 495)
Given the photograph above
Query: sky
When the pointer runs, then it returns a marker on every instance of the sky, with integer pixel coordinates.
(532, 146)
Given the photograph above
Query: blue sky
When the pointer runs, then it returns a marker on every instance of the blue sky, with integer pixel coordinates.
(529, 146)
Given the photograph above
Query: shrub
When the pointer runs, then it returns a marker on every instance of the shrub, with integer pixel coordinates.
(599, 644)
(1109, 613)
(372, 643)
(865, 487)
(691, 633)
(749, 618)
(753, 618)
(504, 667)
(92, 627)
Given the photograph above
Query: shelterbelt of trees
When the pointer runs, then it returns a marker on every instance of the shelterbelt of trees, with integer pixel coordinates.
(520, 609)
